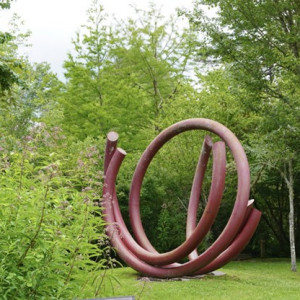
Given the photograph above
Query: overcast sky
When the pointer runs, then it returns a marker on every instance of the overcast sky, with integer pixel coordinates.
(53, 23)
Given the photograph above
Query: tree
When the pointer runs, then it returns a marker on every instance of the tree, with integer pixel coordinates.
(136, 67)
(97, 99)
(5, 4)
(155, 55)
(9, 63)
(30, 100)
(259, 40)
(15, 72)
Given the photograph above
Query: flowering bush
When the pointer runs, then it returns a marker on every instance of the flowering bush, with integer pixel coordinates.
(52, 243)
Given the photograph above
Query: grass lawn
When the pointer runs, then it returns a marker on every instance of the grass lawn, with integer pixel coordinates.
(253, 279)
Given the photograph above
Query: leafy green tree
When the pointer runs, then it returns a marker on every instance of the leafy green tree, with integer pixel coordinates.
(136, 67)
(34, 101)
(97, 100)
(259, 40)
(10, 64)
(5, 4)
(7, 75)
(16, 108)
(155, 55)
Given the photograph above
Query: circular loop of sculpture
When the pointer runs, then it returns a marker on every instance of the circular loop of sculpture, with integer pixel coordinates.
(139, 253)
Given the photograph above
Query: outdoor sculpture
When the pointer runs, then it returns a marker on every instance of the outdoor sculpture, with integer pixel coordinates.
(139, 253)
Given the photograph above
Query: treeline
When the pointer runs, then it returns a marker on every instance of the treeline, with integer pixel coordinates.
(240, 67)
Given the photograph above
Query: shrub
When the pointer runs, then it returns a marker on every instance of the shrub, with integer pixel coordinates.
(52, 243)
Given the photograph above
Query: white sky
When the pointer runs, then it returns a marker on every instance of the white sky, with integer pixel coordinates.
(53, 23)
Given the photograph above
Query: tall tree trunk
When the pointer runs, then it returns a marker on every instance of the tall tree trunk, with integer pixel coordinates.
(288, 177)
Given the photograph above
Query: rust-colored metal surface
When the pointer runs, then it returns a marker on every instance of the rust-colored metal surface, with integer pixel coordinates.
(139, 253)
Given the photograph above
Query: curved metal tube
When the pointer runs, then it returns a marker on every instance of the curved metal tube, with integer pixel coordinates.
(141, 255)
(196, 190)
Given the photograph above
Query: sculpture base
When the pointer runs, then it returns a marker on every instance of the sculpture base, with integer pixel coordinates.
(183, 278)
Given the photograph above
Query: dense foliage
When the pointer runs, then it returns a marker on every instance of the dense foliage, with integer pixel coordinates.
(50, 217)
(239, 67)
(258, 41)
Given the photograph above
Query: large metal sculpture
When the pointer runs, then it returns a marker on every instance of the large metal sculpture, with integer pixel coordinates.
(139, 253)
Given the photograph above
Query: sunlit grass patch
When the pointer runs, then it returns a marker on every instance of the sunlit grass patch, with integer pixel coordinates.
(253, 279)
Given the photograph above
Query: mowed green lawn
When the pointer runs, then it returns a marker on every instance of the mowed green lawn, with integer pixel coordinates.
(253, 279)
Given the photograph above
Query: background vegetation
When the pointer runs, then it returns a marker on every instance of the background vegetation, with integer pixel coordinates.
(240, 67)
